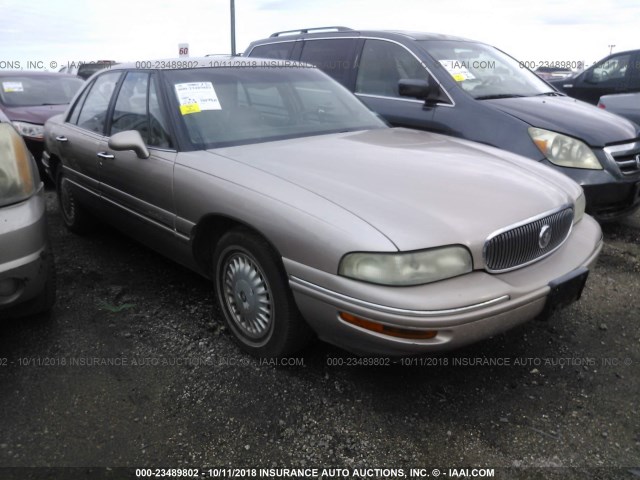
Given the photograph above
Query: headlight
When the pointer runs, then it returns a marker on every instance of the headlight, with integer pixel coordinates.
(564, 151)
(578, 208)
(410, 268)
(30, 130)
(17, 181)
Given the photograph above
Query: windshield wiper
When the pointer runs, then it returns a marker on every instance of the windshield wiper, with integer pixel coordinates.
(550, 94)
(500, 95)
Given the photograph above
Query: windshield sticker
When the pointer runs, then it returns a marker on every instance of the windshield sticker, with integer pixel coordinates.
(10, 87)
(196, 97)
(458, 70)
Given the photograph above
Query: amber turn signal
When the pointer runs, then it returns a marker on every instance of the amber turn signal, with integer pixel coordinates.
(386, 329)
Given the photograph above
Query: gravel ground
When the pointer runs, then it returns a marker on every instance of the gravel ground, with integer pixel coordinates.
(133, 368)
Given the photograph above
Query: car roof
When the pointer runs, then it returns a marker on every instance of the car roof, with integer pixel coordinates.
(620, 53)
(33, 73)
(323, 32)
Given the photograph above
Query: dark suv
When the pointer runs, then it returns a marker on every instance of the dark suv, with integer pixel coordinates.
(617, 73)
(475, 91)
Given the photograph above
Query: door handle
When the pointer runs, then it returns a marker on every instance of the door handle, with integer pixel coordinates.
(62, 139)
(105, 156)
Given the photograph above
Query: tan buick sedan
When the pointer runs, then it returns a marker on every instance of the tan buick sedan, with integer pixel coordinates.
(311, 215)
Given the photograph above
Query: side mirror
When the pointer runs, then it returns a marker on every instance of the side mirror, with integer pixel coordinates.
(420, 89)
(129, 140)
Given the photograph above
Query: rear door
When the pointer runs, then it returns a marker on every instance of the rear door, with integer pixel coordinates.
(82, 136)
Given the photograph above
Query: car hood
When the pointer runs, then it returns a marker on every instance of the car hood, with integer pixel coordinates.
(37, 114)
(419, 189)
(571, 117)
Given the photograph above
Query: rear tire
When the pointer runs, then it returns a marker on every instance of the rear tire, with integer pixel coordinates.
(73, 215)
(253, 293)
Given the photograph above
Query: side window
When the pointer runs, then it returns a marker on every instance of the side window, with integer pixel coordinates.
(130, 112)
(334, 57)
(158, 128)
(634, 78)
(94, 111)
(280, 50)
(73, 118)
(138, 108)
(382, 65)
(610, 71)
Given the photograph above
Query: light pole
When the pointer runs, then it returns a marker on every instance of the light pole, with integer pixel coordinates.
(610, 47)
(233, 27)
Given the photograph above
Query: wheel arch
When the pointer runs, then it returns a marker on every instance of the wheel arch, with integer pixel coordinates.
(54, 164)
(208, 232)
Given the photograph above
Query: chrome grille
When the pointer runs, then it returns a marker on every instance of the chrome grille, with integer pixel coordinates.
(626, 157)
(521, 244)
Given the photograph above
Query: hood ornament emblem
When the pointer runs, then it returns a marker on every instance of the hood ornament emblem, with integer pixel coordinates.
(544, 238)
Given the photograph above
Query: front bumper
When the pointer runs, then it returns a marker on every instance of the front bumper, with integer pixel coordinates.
(609, 201)
(462, 310)
(23, 251)
(610, 194)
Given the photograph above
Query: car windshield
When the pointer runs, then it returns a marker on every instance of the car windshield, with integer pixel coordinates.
(31, 91)
(484, 72)
(233, 106)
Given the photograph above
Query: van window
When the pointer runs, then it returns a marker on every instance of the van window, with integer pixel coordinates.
(610, 71)
(281, 50)
(382, 65)
(334, 57)
(634, 78)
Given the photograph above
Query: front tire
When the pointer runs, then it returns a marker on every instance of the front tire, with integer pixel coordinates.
(252, 292)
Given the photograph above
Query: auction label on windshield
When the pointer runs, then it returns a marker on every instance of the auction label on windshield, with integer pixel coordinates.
(10, 87)
(196, 97)
(458, 70)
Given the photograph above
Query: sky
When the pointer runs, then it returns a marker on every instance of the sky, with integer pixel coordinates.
(53, 33)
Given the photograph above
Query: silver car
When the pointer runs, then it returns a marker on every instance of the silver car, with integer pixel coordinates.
(311, 215)
(624, 104)
(27, 277)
